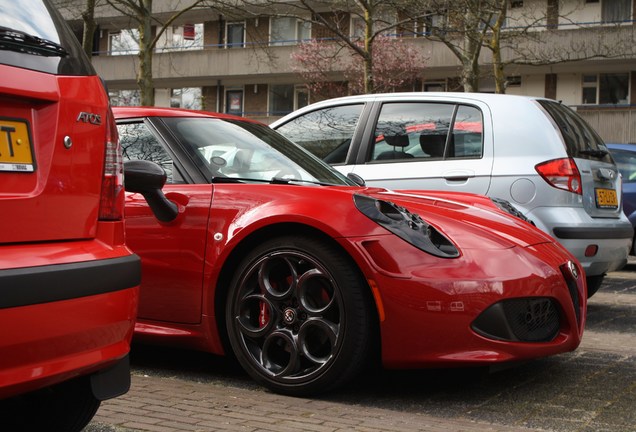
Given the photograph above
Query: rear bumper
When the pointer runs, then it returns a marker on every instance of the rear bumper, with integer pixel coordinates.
(577, 231)
(43, 284)
(590, 233)
(65, 320)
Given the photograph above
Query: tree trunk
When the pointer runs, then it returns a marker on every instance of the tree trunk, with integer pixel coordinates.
(88, 17)
(495, 46)
(144, 74)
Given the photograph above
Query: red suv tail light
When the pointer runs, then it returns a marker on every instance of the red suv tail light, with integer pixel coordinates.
(561, 174)
(111, 206)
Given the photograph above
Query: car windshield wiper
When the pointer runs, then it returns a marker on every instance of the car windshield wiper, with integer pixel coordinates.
(273, 180)
(597, 153)
(15, 40)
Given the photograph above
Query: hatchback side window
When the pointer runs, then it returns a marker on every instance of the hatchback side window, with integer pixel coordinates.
(138, 142)
(467, 135)
(327, 133)
(413, 130)
(423, 131)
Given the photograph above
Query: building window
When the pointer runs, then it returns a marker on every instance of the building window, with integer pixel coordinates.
(235, 35)
(383, 19)
(357, 27)
(516, 4)
(288, 31)
(616, 10)
(234, 102)
(434, 21)
(606, 89)
(124, 97)
(301, 97)
(189, 97)
(281, 99)
(589, 89)
(435, 86)
(180, 38)
(513, 81)
(123, 42)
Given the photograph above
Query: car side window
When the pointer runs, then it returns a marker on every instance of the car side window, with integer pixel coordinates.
(423, 131)
(138, 142)
(467, 134)
(327, 133)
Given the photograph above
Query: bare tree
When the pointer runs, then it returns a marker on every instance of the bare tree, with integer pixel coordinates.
(140, 12)
(331, 21)
(394, 65)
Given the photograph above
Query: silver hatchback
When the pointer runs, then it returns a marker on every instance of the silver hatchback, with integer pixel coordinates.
(536, 153)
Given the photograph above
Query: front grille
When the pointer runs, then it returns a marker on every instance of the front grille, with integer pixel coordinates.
(532, 319)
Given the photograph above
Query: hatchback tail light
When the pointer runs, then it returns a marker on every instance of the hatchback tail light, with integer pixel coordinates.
(111, 206)
(561, 174)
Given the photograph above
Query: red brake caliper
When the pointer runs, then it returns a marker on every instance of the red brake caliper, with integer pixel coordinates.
(263, 316)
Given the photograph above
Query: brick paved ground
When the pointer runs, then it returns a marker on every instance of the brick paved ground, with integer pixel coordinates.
(548, 395)
(169, 405)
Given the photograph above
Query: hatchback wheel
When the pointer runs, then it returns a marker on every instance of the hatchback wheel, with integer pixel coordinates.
(593, 284)
(299, 316)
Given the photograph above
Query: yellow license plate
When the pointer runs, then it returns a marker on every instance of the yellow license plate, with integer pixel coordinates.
(606, 198)
(15, 146)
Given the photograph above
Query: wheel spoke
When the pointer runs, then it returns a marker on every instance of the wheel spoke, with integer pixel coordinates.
(318, 339)
(277, 277)
(279, 355)
(256, 316)
(315, 291)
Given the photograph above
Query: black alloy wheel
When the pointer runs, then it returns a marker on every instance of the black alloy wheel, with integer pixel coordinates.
(299, 316)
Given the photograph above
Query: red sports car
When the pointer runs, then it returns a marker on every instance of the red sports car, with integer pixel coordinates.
(255, 246)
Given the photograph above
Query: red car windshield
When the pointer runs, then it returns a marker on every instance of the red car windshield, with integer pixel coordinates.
(245, 150)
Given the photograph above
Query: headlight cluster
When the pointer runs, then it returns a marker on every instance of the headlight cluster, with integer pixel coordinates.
(406, 225)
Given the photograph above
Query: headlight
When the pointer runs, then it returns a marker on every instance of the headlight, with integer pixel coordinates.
(406, 225)
(507, 207)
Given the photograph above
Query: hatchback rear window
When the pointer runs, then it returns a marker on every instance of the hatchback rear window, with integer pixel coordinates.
(33, 36)
(581, 140)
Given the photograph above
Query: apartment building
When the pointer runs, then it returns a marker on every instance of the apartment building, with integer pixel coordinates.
(242, 64)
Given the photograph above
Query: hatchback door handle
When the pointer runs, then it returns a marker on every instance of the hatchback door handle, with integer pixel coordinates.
(458, 175)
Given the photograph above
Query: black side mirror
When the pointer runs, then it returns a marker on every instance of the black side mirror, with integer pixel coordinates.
(147, 178)
(356, 179)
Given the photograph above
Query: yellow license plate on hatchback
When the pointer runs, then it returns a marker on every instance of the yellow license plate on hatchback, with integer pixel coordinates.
(15, 146)
(606, 198)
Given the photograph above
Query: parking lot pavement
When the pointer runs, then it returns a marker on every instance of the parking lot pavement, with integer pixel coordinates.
(163, 404)
(590, 390)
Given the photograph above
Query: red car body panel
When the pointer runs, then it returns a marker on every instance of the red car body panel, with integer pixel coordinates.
(62, 178)
(425, 304)
(51, 234)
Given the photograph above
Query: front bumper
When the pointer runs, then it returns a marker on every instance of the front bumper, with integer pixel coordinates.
(430, 305)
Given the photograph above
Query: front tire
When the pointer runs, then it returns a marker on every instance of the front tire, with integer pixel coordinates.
(299, 316)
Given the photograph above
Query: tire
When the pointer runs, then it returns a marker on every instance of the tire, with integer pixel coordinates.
(299, 316)
(66, 407)
(593, 284)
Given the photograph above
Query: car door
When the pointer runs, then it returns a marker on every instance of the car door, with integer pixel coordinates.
(426, 145)
(172, 254)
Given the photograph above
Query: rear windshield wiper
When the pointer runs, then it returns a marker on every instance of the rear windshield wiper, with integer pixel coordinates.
(15, 40)
(597, 153)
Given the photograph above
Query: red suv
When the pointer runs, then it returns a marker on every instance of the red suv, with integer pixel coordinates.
(68, 283)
